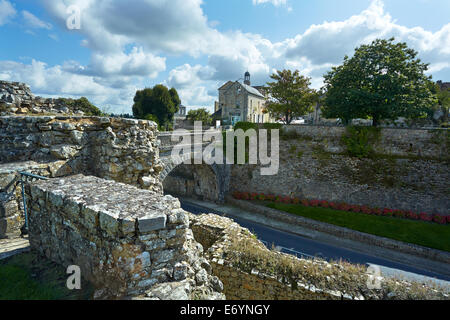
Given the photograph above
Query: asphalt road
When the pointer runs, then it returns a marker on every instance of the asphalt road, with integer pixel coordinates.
(304, 247)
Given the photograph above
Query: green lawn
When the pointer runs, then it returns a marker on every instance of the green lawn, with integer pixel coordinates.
(29, 277)
(430, 235)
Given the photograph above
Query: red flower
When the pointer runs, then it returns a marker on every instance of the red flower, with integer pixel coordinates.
(425, 217)
(296, 201)
(245, 196)
(262, 196)
(314, 203)
(356, 208)
(271, 197)
(439, 219)
(305, 203)
(377, 211)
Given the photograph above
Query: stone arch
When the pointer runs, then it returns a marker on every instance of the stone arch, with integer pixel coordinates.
(220, 174)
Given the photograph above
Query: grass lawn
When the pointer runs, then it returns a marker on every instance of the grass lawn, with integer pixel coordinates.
(29, 277)
(430, 235)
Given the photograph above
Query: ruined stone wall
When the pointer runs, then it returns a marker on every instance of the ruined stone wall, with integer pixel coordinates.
(250, 271)
(12, 216)
(127, 241)
(118, 149)
(409, 172)
(16, 98)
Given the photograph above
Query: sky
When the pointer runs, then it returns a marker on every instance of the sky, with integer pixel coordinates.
(196, 46)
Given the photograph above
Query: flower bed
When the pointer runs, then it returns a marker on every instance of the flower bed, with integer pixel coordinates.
(402, 214)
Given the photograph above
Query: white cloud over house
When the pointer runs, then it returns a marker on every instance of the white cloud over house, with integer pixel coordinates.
(130, 42)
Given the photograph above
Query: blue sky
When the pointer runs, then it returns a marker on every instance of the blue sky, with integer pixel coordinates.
(196, 46)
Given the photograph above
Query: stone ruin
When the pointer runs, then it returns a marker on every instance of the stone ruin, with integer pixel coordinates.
(16, 98)
(103, 209)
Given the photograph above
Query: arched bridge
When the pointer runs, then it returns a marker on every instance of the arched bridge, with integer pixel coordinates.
(217, 174)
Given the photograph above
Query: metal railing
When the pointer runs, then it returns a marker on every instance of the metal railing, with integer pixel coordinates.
(23, 177)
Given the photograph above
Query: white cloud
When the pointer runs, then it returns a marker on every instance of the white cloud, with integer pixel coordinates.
(34, 22)
(157, 29)
(55, 82)
(136, 63)
(7, 11)
(276, 3)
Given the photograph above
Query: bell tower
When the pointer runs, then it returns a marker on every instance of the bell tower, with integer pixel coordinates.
(247, 78)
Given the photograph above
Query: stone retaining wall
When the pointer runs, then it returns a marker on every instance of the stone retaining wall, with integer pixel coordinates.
(250, 271)
(127, 241)
(393, 141)
(411, 171)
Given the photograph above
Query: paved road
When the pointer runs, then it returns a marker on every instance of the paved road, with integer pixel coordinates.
(304, 247)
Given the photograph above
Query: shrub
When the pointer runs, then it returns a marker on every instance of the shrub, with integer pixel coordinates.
(245, 126)
(262, 197)
(359, 140)
(278, 199)
(296, 201)
(245, 196)
(448, 219)
(356, 208)
(271, 197)
(305, 202)
(254, 196)
(272, 126)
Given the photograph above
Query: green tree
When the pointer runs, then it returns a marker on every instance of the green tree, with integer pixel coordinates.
(290, 96)
(383, 80)
(201, 114)
(158, 101)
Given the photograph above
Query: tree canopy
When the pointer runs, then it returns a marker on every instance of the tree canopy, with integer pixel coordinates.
(290, 96)
(383, 80)
(158, 101)
(201, 114)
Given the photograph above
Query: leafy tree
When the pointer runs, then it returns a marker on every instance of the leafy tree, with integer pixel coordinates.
(383, 80)
(290, 95)
(158, 101)
(201, 114)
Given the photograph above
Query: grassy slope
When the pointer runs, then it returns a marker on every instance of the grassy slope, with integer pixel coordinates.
(28, 277)
(422, 233)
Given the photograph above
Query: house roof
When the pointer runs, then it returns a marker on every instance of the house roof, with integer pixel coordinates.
(252, 90)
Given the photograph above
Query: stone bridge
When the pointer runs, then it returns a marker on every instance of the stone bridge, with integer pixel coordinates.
(170, 162)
